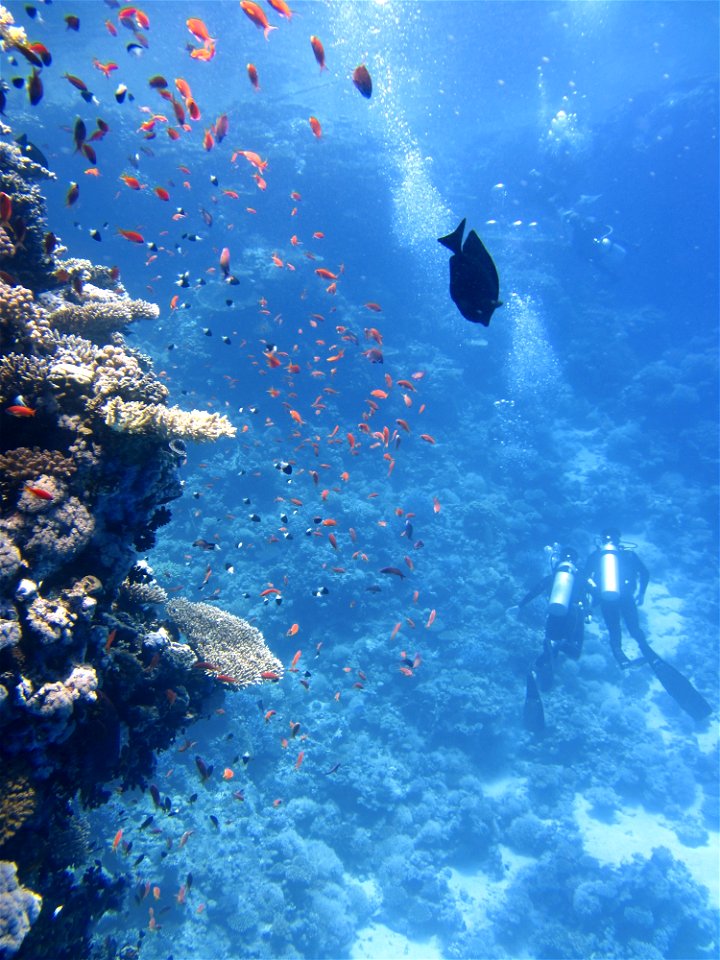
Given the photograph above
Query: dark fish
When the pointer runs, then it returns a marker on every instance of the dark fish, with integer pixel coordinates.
(72, 21)
(155, 794)
(34, 88)
(203, 769)
(393, 571)
(363, 82)
(474, 284)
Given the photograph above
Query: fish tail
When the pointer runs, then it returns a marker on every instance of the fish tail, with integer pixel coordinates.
(453, 241)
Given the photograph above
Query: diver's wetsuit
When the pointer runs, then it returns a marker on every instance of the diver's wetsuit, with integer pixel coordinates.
(562, 633)
(634, 576)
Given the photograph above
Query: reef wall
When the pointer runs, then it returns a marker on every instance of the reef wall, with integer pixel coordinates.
(93, 681)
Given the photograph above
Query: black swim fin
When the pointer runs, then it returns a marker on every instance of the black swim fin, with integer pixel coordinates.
(533, 713)
(678, 686)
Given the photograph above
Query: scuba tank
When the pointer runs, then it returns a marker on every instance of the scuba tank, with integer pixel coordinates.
(562, 588)
(609, 572)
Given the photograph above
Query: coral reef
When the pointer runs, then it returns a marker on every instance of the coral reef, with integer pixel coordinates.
(91, 686)
(233, 646)
(19, 909)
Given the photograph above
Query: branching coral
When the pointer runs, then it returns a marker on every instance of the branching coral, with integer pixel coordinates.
(21, 320)
(231, 644)
(31, 463)
(20, 374)
(19, 907)
(170, 423)
(18, 800)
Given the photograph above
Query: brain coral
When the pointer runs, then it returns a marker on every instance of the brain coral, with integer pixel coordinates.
(231, 644)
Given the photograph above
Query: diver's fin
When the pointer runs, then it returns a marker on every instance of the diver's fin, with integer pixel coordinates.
(680, 688)
(533, 713)
(453, 241)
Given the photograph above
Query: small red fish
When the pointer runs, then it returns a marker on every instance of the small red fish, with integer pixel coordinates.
(257, 15)
(315, 127)
(132, 235)
(40, 493)
(19, 410)
(253, 75)
(319, 51)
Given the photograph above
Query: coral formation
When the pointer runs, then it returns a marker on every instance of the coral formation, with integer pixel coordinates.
(170, 423)
(233, 646)
(86, 474)
(19, 909)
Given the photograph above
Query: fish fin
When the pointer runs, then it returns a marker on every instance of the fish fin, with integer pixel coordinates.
(453, 241)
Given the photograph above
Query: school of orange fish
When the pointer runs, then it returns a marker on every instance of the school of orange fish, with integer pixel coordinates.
(329, 346)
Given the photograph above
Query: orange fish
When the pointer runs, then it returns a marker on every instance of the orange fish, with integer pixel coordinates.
(436, 505)
(300, 758)
(294, 661)
(253, 75)
(380, 394)
(254, 13)
(427, 438)
(279, 6)
(326, 274)
(19, 410)
(431, 618)
(315, 126)
(319, 51)
(198, 29)
(228, 774)
(291, 633)
(162, 193)
(132, 235)
(118, 838)
(131, 182)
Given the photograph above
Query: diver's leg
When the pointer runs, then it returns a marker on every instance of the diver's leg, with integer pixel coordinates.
(574, 633)
(611, 615)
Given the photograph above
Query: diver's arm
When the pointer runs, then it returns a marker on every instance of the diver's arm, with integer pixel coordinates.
(539, 588)
(643, 578)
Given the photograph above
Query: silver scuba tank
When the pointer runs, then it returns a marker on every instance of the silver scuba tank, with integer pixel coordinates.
(562, 588)
(609, 572)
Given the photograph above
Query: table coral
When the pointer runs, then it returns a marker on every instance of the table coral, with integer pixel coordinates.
(170, 423)
(98, 313)
(231, 644)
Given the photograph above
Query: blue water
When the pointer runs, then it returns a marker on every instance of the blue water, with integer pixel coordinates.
(423, 819)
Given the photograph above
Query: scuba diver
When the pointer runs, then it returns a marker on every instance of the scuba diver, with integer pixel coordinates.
(615, 573)
(593, 240)
(564, 628)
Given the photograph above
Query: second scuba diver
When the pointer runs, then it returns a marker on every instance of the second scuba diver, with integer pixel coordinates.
(564, 629)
